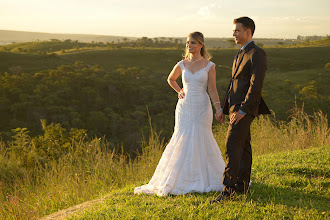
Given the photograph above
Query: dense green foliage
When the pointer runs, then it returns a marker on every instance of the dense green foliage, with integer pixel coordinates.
(113, 103)
(45, 46)
(110, 91)
(55, 45)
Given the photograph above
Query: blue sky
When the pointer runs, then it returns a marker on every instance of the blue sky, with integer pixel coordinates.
(166, 18)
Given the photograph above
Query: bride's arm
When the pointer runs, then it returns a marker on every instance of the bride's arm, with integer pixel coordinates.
(176, 72)
(212, 88)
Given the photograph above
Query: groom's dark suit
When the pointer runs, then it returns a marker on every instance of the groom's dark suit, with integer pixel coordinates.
(244, 94)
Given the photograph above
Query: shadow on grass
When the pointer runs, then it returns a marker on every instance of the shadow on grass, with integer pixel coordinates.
(263, 195)
(290, 197)
(309, 172)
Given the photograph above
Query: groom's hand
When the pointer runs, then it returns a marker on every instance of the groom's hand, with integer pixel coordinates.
(236, 117)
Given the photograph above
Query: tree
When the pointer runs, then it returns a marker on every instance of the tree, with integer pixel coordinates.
(231, 42)
(260, 44)
(327, 67)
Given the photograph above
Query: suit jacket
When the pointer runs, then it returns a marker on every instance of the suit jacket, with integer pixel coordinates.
(244, 90)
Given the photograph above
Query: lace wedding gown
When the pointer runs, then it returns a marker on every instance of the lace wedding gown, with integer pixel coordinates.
(192, 161)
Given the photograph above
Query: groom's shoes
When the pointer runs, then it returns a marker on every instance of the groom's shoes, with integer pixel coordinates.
(224, 195)
(242, 188)
(243, 191)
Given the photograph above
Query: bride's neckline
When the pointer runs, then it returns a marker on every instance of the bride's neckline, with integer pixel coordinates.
(197, 70)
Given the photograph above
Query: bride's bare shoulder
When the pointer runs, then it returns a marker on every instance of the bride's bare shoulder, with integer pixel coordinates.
(184, 61)
(177, 66)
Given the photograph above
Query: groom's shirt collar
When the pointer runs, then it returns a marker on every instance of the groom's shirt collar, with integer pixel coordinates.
(242, 48)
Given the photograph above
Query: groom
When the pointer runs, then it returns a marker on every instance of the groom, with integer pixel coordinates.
(242, 102)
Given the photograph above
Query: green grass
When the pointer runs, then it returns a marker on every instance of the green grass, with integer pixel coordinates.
(39, 176)
(279, 59)
(317, 43)
(45, 46)
(33, 183)
(288, 185)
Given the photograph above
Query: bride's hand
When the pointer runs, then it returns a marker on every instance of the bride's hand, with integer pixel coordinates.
(181, 94)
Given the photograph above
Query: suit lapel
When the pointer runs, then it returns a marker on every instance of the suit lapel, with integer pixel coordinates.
(237, 62)
(233, 69)
(240, 58)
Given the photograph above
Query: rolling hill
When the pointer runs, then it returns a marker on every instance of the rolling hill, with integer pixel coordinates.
(9, 36)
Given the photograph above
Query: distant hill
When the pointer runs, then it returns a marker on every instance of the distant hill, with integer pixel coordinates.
(47, 46)
(8, 37)
(316, 43)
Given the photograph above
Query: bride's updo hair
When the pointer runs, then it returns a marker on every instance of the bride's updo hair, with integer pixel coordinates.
(199, 37)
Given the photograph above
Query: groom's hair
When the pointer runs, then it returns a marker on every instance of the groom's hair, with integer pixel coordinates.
(247, 23)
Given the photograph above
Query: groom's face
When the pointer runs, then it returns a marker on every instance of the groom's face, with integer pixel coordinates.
(240, 33)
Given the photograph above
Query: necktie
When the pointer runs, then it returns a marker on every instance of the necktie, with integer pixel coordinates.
(237, 55)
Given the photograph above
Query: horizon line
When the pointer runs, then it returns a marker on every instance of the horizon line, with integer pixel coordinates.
(147, 36)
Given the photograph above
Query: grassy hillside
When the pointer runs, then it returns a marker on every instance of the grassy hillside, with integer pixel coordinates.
(8, 36)
(48, 167)
(317, 43)
(290, 70)
(288, 185)
(109, 90)
(61, 168)
(47, 46)
(281, 59)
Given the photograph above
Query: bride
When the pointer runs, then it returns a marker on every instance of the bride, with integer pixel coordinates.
(192, 161)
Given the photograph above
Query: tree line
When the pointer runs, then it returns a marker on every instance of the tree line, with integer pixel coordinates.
(113, 104)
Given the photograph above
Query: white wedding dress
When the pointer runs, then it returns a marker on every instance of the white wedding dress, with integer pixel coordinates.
(192, 161)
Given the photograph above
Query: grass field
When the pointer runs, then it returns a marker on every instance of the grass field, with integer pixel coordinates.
(159, 60)
(59, 169)
(89, 170)
(316, 43)
(288, 185)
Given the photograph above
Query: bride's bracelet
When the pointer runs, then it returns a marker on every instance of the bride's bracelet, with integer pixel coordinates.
(219, 110)
(216, 103)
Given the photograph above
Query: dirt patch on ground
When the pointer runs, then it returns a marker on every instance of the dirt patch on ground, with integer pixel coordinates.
(65, 213)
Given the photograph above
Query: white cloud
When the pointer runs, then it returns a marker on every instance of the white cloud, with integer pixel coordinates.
(209, 11)
(205, 13)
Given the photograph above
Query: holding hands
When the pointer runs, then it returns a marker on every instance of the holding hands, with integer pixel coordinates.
(234, 119)
(219, 116)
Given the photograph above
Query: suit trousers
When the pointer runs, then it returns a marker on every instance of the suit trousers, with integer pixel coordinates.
(238, 156)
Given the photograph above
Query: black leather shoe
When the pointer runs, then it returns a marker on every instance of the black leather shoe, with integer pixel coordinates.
(245, 191)
(242, 188)
(224, 195)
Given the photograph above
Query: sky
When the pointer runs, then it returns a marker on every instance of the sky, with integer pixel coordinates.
(166, 18)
